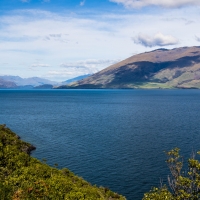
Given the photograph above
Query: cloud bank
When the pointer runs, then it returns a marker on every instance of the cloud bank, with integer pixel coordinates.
(88, 66)
(157, 40)
(72, 69)
(161, 3)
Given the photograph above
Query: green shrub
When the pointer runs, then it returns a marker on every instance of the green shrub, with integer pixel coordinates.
(25, 178)
(182, 186)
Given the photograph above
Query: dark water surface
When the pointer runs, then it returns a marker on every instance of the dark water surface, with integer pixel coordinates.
(113, 138)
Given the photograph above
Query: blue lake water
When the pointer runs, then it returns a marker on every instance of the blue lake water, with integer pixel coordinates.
(113, 138)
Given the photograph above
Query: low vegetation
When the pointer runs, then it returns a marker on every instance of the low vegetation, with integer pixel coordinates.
(23, 177)
(183, 185)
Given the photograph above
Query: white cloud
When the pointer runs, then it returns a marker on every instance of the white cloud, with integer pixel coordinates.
(82, 3)
(197, 38)
(90, 62)
(157, 40)
(30, 37)
(55, 35)
(62, 75)
(73, 69)
(161, 3)
(39, 65)
(88, 66)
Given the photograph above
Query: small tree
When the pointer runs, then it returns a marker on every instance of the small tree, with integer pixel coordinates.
(183, 186)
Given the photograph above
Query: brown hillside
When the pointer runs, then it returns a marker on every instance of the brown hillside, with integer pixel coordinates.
(161, 68)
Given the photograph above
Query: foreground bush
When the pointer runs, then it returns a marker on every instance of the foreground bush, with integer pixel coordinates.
(182, 185)
(25, 178)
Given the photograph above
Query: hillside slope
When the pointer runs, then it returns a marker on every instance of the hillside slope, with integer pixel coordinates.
(161, 68)
(23, 177)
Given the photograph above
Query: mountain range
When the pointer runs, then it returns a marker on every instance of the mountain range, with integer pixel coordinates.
(24, 82)
(161, 68)
(16, 82)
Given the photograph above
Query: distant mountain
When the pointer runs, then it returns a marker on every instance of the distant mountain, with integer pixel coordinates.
(7, 84)
(25, 87)
(45, 86)
(78, 78)
(161, 68)
(33, 81)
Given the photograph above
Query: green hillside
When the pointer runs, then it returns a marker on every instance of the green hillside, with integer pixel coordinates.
(23, 177)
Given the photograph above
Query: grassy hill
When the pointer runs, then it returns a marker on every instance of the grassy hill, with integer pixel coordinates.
(23, 177)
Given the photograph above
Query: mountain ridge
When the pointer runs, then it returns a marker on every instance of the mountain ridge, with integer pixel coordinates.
(7, 84)
(34, 81)
(160, 68)
(16, 82)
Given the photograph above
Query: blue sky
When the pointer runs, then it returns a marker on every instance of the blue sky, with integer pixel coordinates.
(62, 39)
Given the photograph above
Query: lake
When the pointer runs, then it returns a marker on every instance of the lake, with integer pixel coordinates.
(113, 138)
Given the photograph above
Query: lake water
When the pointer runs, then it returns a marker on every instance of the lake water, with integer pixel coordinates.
(113, 138)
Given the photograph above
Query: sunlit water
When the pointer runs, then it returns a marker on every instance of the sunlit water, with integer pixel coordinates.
(113, 138)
